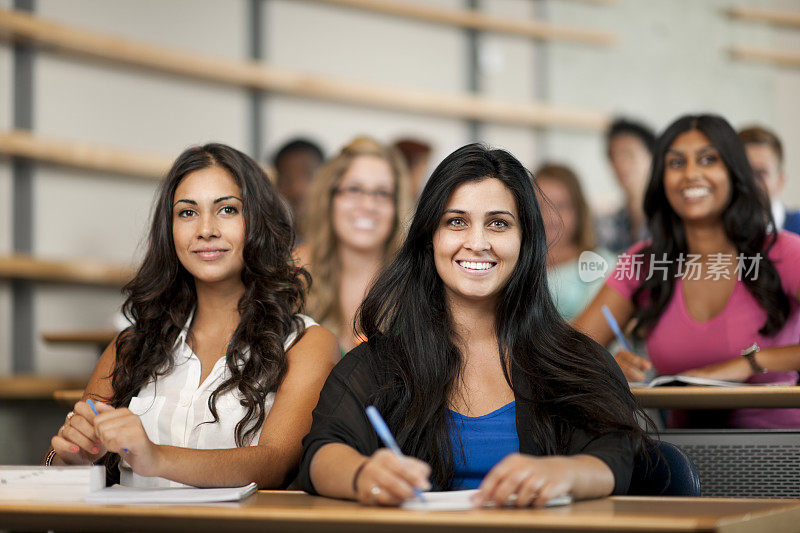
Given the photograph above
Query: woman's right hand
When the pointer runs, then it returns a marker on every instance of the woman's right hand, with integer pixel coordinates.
(76, 442)
(386, 479)
(632, 365)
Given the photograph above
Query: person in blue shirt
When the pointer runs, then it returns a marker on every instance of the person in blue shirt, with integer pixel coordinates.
(480, 379)
(765, 153)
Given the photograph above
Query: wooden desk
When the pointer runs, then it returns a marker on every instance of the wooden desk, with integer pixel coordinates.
(717, 397)
(292, 511)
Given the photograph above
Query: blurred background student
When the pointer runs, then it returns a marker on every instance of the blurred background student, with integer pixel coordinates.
(417, 154)
(295, 163)
(765, 153)
(715, 282)
(357, 205)
(569, 227)
(629, 147)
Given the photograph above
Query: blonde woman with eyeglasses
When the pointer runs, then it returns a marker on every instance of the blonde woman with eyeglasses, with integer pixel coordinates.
(356, 211)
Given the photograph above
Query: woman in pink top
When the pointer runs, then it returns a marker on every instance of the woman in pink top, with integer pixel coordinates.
(714, 279)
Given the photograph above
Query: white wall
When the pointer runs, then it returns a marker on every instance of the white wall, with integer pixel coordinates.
(672, 60)
(6, 80)
(98, 216)
(367, 47)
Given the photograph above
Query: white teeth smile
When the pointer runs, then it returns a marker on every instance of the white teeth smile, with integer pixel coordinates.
(695, 192)
(364, 223)
(472, 265)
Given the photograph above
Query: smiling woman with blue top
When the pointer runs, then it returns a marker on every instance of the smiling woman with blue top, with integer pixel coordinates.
(480, 380)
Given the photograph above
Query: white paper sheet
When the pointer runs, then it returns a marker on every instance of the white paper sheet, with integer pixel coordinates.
(118, 494)
(459, 500)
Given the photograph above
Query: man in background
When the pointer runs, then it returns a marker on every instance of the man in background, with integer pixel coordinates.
(765, 152)
(630, 151)
(295, 164)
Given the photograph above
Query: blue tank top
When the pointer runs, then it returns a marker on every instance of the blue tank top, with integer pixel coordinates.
(486, 440)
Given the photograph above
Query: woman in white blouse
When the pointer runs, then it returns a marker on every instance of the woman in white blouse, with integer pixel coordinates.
(215, 381)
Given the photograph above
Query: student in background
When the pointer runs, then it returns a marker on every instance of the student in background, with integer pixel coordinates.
(630, 148)
(714, 279)
(417, 154)
(214, 382)
(295, 164)
(569, 227)
(357, 207)
(477, 375)
(765, 153)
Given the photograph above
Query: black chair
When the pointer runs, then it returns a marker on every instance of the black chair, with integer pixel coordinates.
(668, 472)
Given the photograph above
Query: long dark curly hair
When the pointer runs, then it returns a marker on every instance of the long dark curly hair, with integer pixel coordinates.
(747, 220)
(570, 379)
(162, 295)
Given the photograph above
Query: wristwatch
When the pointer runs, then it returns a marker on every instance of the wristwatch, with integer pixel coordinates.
(749, 353)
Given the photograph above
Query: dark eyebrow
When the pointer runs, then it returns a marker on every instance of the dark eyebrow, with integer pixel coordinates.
(490, 213)
(218, 200)
(707, 149)
(222, 199)
(494, 213)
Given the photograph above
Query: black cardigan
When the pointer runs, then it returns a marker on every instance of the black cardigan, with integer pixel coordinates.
(340, 417)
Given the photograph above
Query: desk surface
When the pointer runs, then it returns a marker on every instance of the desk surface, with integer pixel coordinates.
(717, 397)
(294, 511)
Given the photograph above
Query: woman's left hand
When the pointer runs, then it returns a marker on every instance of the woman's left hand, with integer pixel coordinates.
(122, 432)
(734, 370)
(525, 480)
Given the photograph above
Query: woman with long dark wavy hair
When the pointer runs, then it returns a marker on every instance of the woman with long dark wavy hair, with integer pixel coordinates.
(214, 383)
(477, 375)
(715, 292)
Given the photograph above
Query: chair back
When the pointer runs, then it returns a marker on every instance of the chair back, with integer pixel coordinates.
(668, 472)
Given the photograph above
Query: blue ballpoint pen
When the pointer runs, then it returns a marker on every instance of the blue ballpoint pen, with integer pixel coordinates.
(386, 436)
(90, 402)
(615, 328)
(617, 331)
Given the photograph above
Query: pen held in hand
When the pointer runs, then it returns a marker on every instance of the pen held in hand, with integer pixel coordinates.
(90, 403)
(386, 436)
(615, 328)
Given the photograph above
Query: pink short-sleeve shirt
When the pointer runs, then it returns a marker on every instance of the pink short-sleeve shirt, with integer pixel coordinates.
(678, 342)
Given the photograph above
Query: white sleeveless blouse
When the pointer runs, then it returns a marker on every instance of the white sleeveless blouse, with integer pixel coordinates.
(174, 408)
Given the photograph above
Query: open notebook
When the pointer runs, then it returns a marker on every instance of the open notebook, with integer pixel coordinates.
(117, 494)
(684, 381)
(459, 500)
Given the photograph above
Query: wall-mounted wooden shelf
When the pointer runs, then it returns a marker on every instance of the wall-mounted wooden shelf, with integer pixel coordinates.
(102, 336)
(776, 17)
(81, 272)
(478, 21)
(248, 74)
(67, 397)
(83, 155)
(784, 58)
(29, 387)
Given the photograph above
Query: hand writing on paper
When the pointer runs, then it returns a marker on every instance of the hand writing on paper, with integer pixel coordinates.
(122, 432)
(525, 480)
(77, 442)
(386, 479)
(632, 365)
(734, 370)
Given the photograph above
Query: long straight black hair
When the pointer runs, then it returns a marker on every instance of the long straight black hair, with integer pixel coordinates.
(747, 220)
(565, 375)
(161, 296)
